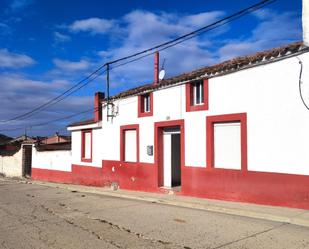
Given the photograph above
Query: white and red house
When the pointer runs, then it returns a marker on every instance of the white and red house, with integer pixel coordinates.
(237, 131)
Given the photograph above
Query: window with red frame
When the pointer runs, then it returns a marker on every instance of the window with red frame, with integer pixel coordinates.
(226, 141)
(197, 96)
(129, 143)
(87, 146)
(145, 104)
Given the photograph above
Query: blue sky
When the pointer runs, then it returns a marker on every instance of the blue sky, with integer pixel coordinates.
(46, 46)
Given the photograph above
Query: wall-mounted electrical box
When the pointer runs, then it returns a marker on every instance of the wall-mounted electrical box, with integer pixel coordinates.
(150, 150)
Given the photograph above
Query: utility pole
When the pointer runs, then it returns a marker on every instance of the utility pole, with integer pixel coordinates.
(107, 89)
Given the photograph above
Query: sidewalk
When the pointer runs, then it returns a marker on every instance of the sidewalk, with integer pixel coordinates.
(279, 214)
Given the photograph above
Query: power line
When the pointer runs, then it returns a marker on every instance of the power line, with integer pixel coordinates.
(60, 97)
(149, 51)
(234, 16)
(194, 34)
(52, 121)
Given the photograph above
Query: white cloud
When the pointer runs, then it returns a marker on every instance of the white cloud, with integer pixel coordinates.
(19, 94)
(105, 54)
(277, 26)
(273, 30)
(4, 29)
(59, 37)
(72, 66)
(140, 30)
(92, 25)
(13, 60)
(202, 19)
(144, 29)
(19, 4)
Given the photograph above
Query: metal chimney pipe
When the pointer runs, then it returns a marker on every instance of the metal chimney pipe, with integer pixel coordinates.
(156, 68)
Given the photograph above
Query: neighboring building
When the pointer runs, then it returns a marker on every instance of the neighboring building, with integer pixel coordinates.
(55, 157)
(237, 130)
(15, 157)
(4, 139)
(55, 139)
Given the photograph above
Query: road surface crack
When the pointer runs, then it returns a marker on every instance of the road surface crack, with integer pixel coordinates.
(71, 222)
(251, 236)
(139, 235)
(114, 226)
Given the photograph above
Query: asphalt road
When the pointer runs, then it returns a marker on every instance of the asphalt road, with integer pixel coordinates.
(33, 216)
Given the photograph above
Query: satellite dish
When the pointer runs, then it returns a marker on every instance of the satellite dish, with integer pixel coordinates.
(161, 74)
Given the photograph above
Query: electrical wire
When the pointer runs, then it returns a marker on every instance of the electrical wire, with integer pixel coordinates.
(61, 97)
(158, 47)
(300, 83)
(250, 9)
(193, 34)
(52, 121)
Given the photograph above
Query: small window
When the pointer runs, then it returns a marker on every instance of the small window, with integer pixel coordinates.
(145, 104)
(197, 96)
(146, 100)
(129, 143)
(86, 146)
(198, 93)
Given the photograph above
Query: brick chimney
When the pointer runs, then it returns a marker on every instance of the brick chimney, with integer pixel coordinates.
(156, 68)
(98, 97)
(305, 20)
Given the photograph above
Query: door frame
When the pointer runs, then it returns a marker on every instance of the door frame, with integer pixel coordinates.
(158, 146)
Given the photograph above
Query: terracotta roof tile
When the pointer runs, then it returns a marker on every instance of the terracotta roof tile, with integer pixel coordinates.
(56, 146)
(84, 122)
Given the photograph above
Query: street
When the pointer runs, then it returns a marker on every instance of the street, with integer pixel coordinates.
(34, 216)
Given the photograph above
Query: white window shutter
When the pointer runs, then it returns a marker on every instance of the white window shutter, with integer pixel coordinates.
(130, 146)
(87, 148)
(227, 145)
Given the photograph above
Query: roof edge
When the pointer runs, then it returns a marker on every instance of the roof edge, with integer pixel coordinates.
(225, 67)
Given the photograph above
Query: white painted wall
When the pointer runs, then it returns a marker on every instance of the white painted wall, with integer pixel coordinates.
(278, 133)
(277, 120)
(51, 160)
(97, 144)
(11, 166)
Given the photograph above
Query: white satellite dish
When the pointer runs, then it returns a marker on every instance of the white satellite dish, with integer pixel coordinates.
(161, 74)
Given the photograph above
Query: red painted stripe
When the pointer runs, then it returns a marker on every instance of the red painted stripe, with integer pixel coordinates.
(232, 185)
(255, 187)
(51, 175)
(134, 176)
(87, 175)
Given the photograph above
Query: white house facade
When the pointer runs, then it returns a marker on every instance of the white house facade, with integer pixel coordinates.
(234, 131)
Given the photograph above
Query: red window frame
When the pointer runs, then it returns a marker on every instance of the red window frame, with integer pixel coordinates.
(83, 159)
(226, 118)
(190, 107)
(123, 129)
(141, 112)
